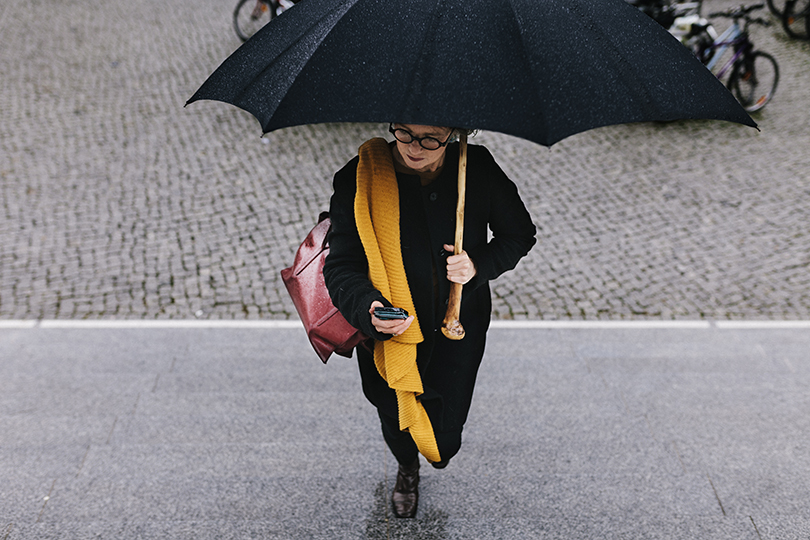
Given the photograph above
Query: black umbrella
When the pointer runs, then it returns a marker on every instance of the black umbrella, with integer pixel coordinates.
(537, 69)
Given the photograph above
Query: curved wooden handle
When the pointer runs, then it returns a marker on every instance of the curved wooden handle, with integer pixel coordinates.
(451, 326)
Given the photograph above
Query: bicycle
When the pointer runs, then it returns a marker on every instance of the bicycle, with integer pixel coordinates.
(682, 20)
(754, 75)
(777, 7)
(665, 12)
(691, 29)
(251, 15)
(796, 19)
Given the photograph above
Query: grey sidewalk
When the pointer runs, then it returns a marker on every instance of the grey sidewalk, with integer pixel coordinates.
(574, 434)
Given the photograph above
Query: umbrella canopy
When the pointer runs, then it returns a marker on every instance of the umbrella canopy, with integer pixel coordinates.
(538, 69)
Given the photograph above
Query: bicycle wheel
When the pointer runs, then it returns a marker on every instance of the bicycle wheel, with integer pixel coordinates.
(777, 7)
(250, 15)
(754, 79)
(796, 19)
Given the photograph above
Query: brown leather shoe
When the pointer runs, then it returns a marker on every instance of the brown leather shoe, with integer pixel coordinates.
(405, 498)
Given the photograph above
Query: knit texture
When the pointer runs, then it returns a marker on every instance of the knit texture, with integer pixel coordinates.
(376, 211)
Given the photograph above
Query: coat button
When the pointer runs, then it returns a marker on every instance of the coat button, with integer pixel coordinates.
(434, 196)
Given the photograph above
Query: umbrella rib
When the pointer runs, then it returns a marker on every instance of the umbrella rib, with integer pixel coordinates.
(337, 13)
(530, 67)
(646, 101)
(642, 94)
(418, 71)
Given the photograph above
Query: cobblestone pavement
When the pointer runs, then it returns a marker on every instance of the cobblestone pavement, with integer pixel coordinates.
(117, 202)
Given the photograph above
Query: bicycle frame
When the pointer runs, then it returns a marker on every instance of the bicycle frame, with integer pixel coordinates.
(731, 37)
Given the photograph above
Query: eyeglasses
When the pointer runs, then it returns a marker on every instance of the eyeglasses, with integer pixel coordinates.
(428, 143)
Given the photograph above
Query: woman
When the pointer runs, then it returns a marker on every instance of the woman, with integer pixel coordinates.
(393, 223)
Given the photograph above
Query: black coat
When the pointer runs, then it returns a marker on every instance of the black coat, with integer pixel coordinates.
(427, 222)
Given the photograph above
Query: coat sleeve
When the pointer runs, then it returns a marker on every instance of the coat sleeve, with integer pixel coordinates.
(346, 268)
(513, 233)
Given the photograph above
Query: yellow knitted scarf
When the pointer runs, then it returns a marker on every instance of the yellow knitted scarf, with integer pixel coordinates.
(376, 211)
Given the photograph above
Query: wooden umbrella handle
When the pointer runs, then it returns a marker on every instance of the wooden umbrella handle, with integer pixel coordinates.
(451, 326)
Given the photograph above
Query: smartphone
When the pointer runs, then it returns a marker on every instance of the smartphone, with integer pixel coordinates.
(390, 313)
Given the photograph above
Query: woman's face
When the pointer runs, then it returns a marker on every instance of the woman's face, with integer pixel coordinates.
(419, 159)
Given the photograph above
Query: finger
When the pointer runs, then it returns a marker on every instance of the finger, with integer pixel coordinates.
(403, 326)
(455, 259)
(462, 275)
(460, 266)
(396, 328)
(387, 325)
(385, 329)
(461, 257)
(460, 270)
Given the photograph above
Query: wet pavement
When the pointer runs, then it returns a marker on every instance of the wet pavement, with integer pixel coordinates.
(220, 433)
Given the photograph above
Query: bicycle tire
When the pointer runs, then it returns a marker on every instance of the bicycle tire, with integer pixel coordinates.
(777, 7)
(754, 79)
(251, 15)
(796, 19)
